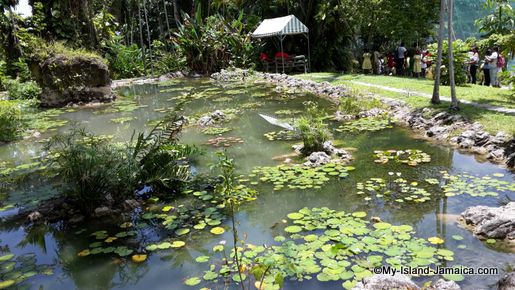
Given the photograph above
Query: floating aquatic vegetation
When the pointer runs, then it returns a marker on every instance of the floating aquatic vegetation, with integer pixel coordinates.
(300, 176)
(328, 245)
(223, 99)
(121, 106)
(122, 120)
(216, 130)
(284, 135)
(394, 189)
(14, 270)
(251, 105)
(43, 121)
(224, 141)
(170, 82)
(411, 157)
(366, 124)
(287, 112)
(464, 183)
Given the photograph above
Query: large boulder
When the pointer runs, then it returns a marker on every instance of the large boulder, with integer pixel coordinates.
(507, 282)
(71, 79)
(491, 222)
(386, 282)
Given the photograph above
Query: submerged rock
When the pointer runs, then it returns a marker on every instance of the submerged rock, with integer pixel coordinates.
(386, 282)
(507, 282)
(34, 216)
(492, 222)
(102, 211)
(68, 79)
(444, 285)
(317, 159)
(212, 118)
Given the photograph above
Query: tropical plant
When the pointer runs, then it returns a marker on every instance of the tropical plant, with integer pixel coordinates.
(460, 50)
(10, 121)
(501, 20)
(125, 61)
(21, 91)
(313, 130)
(96, 171)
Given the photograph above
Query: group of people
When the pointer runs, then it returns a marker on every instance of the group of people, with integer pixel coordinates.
(490, 65)
(399, 62)
(418, 62)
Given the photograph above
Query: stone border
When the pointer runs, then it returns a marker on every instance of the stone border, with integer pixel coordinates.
(445, 128)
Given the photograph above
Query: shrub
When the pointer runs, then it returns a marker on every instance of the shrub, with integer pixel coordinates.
(96, 171)
(313, 130)
(460, 50)
(22, 91)
(212, 44)
(125, 61)
(10, 121)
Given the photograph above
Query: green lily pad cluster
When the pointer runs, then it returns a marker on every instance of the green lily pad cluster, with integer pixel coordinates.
(223, 99)
(464, 183)
(288, 112)
(300, 176)
(224, 141)
(121, 106)
(370, 124)
(411, 157)
(328, 245)
(122, 120)
(251, 105)
(216, 130)
(111, 244)
(283, 135)
(14, 270)
(394, 190)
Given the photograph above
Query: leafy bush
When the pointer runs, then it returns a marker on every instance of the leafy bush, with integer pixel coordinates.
(212, 44)
(166, 61)
(96, 171)
(125, 61)
(313, 130)
(460, 50)
(22, 91)
(10, 121)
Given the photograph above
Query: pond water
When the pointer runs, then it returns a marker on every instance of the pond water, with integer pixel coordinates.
(53, 249)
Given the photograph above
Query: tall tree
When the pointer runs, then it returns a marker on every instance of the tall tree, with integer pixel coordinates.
(454, 100)
(438, 68)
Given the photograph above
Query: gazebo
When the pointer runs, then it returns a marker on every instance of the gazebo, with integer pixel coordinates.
(281, 27)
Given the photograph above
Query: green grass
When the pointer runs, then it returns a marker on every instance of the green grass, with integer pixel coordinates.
(492, 121)
(473, 93)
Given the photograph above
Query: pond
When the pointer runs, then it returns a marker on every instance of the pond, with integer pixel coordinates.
(54, 256)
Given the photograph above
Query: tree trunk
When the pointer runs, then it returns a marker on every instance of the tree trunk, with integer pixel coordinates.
(167, 20)
(142, 43)
(438, 67)
(454, 100)
(176, 13)
(148, 37)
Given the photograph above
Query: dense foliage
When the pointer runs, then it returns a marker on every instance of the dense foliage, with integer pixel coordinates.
(98, 172)
(10, 121)
(313, 130)
(460, 50)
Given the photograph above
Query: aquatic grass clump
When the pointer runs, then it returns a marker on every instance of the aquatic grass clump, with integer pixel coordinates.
(313, 131)
(327, 244)
(299, 176)
(411, 157)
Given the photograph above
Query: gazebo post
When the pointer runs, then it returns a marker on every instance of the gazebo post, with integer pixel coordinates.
(309, 53)
(282, 50)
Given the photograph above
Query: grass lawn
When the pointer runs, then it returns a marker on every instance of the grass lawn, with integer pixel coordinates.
(474, 93)
(493, 121)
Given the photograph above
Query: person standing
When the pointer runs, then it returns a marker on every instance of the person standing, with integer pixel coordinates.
(473, 63)
(401, 55)
(367, 62)
(377, 62)
(486, 68)
(493, 67)
(417, 64)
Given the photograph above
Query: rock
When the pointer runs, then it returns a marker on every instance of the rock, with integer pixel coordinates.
(437, 132)
(34, 216)
(374, 112)
(496, 154)
(206, 121)
(76, 219)
(317, 159)
(507, 282)
(444, 285)
(492, 222)
(500, 138)
(340, 117)
(68, 79)
(386, 282)
(212, 118)
(130, 204)
(102, 211)
(36, 134)
(481, 138)
(509, 153)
